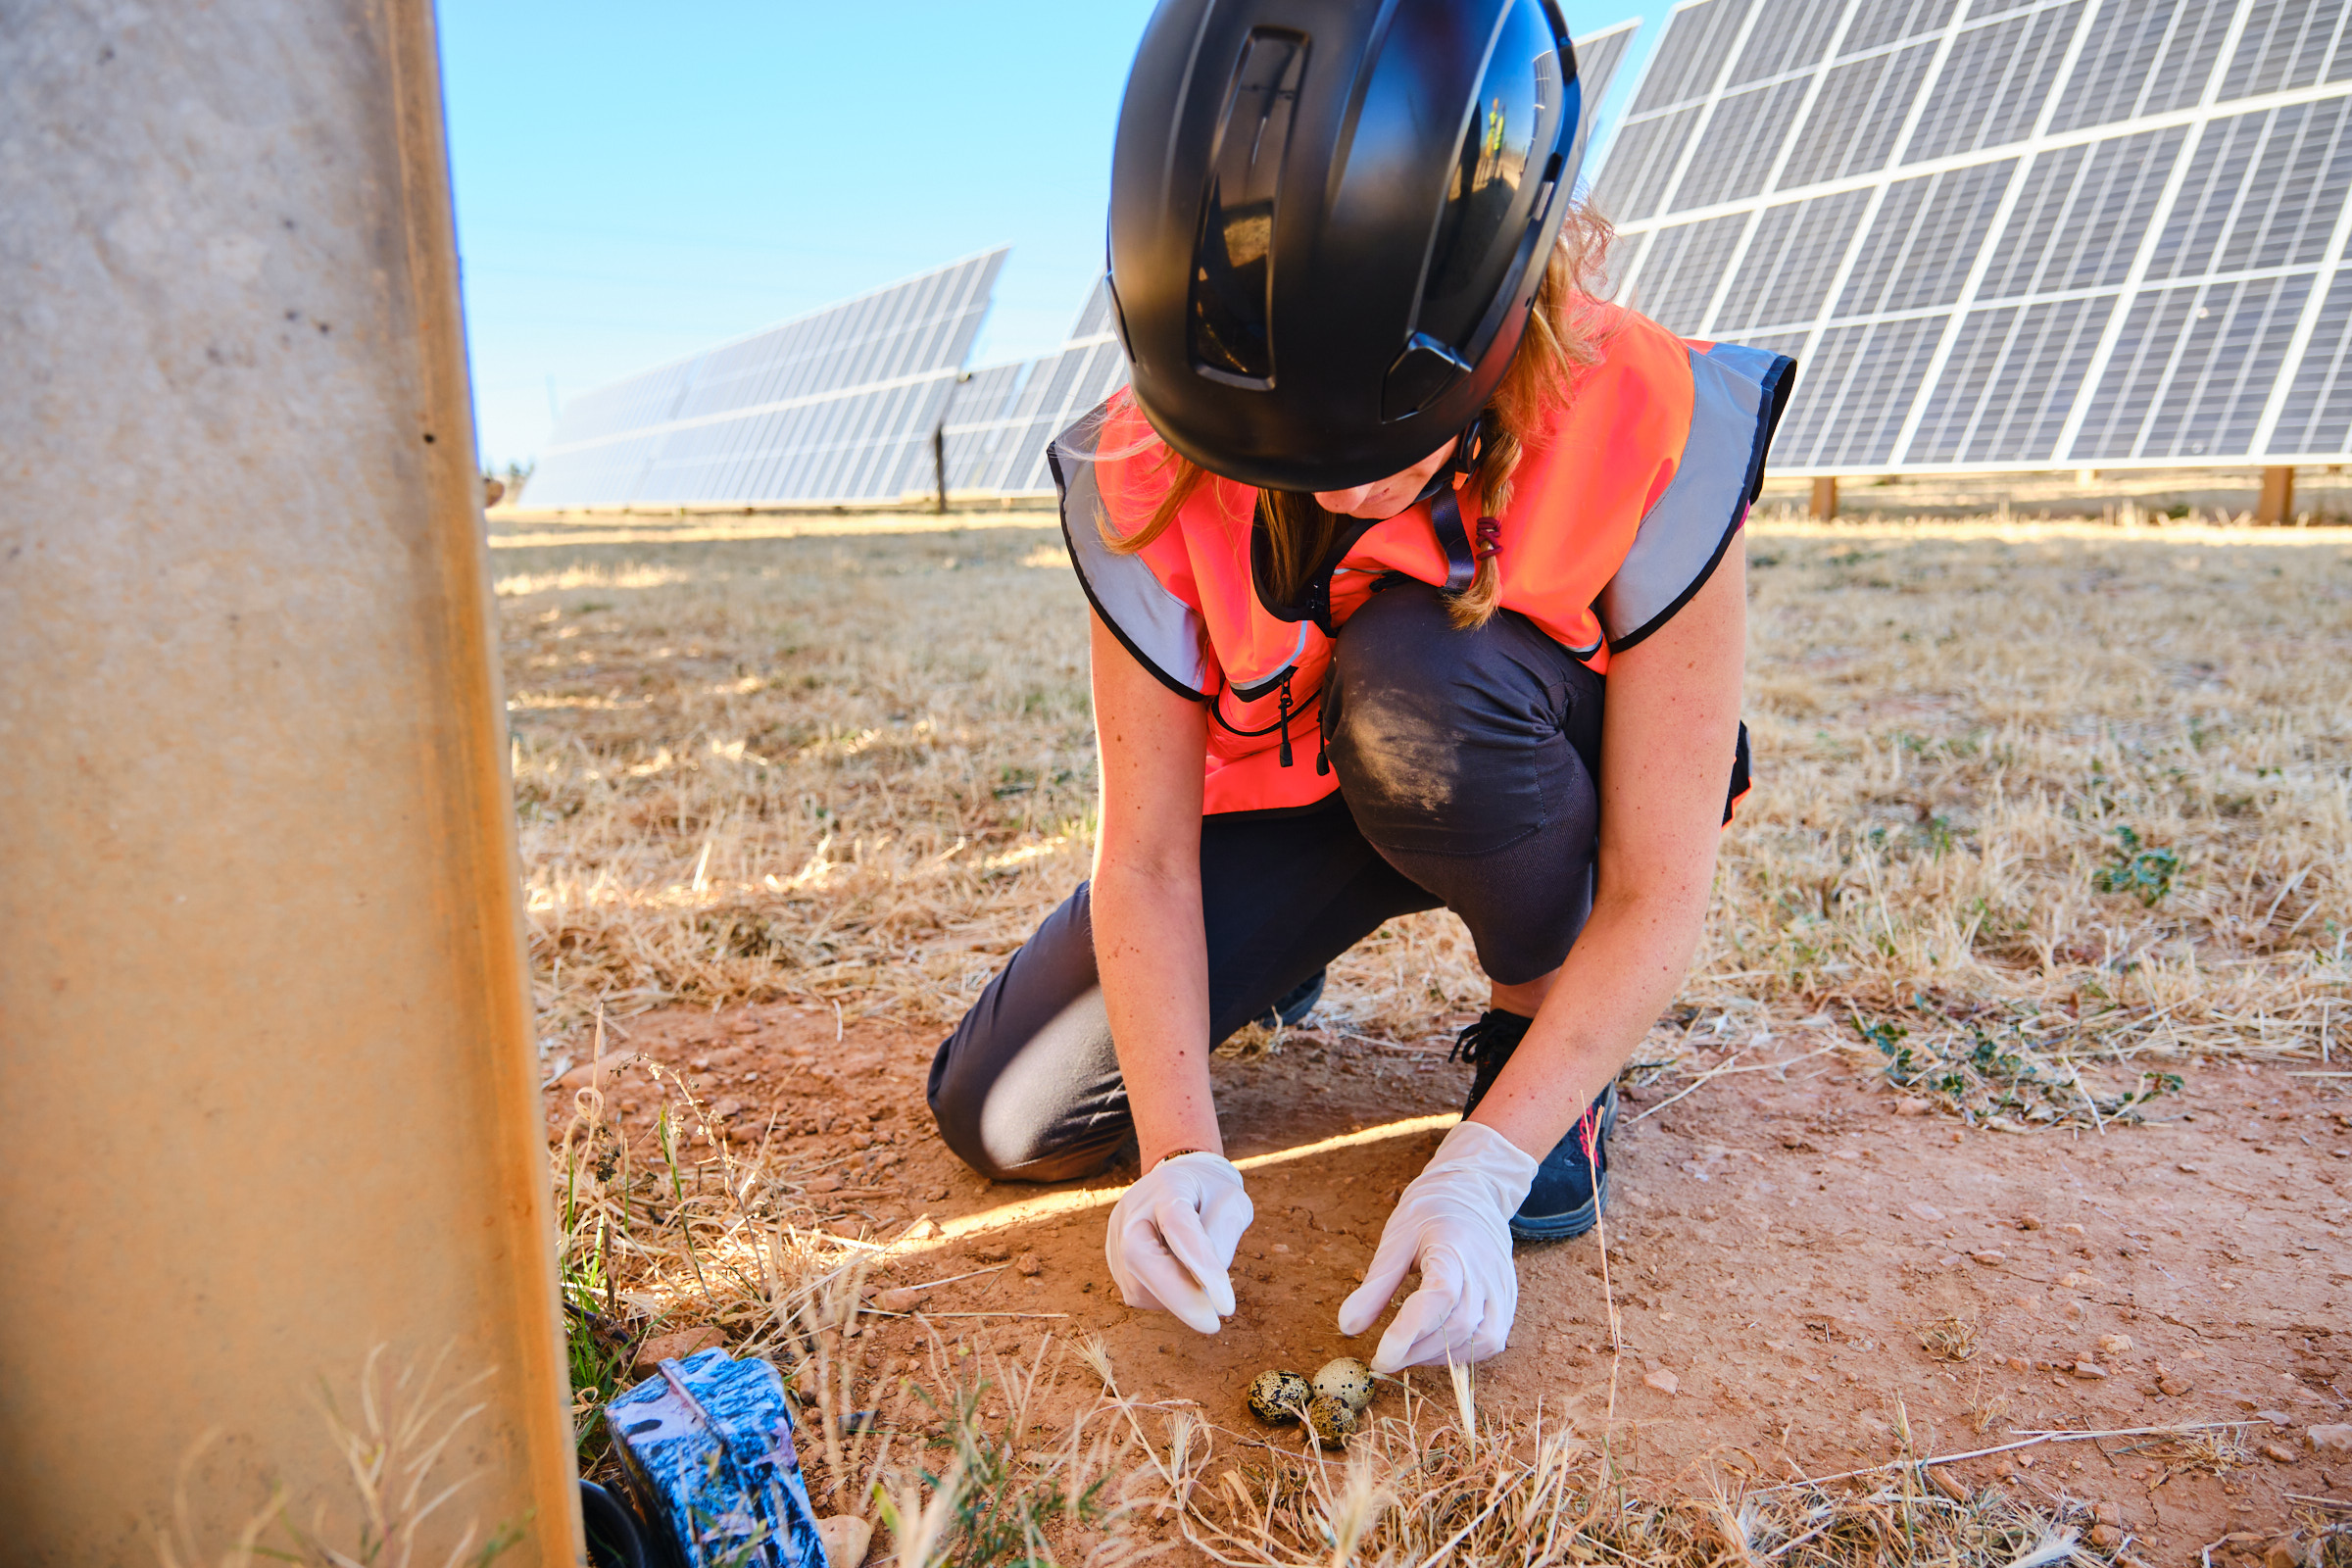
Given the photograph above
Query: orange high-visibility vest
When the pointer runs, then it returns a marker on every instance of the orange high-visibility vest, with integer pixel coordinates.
(1620, 509)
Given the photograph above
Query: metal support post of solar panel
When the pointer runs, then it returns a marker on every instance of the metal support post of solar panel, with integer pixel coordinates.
(2105, 233)
(1003, 415)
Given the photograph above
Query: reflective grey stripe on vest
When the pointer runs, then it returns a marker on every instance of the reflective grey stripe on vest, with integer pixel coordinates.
(1737, 394)
(1159, 630)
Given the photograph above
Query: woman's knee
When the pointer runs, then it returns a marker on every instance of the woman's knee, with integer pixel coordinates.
(1028, 1087)
(1448, 738)
(1015, 1111)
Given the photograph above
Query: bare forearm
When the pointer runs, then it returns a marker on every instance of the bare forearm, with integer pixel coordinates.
(1624, 970)
(1153, 962)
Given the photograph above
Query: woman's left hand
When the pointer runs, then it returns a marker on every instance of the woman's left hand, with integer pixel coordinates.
(1454, 1223)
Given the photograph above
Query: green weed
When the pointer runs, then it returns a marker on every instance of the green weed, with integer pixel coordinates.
(2145, 871)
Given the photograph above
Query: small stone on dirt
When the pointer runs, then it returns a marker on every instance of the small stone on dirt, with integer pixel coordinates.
(846, 1538)
(1662, 1380)
(824, 1184)
(2114, 1344)
(2335, 1438)
(1912, 1107)
(2107, 1513)
(1990, 1257)
(1027, 1263)
(675, 1347)
(1926, 1211)
(2088, 1369)
(2279, 1452)
(2029, 1222)
(2018, 1364)
(2106, 1537)
(905, 1299)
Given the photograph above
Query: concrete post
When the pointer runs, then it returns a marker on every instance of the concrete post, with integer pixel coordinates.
(1825, 499)
(2277, 503)
(267, 1069)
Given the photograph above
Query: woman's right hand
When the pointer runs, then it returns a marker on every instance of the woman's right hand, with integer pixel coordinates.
(1173, 1236)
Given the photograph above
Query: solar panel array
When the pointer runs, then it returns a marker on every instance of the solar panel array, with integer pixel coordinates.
(1004, 416)
(839, 406)
(2000, 235)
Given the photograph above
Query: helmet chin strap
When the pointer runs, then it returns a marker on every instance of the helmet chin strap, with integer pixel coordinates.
(1468, 447)
(1446, 509)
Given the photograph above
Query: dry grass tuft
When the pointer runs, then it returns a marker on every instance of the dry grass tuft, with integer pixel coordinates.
(392, 1443)
(1422, 1486)
(1950, 1338)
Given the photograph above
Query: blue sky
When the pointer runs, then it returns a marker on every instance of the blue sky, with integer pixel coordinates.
(637, 182)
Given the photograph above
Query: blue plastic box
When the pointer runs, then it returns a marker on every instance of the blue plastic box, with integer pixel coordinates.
(707, 1447)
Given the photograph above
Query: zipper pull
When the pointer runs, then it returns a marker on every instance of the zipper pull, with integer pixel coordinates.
(1283, 719)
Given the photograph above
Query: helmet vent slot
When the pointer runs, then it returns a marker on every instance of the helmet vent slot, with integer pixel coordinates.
(1230, 307)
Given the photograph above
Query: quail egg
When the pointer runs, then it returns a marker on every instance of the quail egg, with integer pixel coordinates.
(1333, 1421)
(1345, 1380)
(1279, 1395)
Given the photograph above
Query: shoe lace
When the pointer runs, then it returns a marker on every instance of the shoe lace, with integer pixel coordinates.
(1472, 1040)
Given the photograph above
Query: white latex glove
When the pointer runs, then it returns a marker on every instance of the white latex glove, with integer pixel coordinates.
(1172, 1237)
(1454, 1222)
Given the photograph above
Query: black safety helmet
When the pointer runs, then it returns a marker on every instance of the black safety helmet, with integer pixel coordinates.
(1328, 219)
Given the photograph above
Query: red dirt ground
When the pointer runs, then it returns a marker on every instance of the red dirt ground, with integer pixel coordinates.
(1776, 1249)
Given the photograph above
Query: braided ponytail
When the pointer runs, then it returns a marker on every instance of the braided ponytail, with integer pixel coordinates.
(1565, 330)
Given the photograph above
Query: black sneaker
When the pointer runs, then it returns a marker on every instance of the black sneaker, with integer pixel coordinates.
(1571, 1188)
(1295, 1003)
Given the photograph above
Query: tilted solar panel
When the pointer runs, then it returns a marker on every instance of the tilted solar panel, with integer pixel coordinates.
(1004, 415)
(839, 406)
(2005, 235)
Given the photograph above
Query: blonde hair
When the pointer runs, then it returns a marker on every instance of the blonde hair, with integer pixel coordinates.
(1566, 328)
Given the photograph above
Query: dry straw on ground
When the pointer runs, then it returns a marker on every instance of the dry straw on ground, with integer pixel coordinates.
(2030, 798)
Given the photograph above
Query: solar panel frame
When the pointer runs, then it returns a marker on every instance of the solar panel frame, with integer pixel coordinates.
(2025, 194)
(1600, 56)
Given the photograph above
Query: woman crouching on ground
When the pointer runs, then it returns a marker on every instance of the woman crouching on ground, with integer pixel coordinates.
(1391, 505)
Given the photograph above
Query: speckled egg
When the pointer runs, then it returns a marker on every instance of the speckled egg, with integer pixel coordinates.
(1279, 1395)
(1345, 1380)
(1331, 1421)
